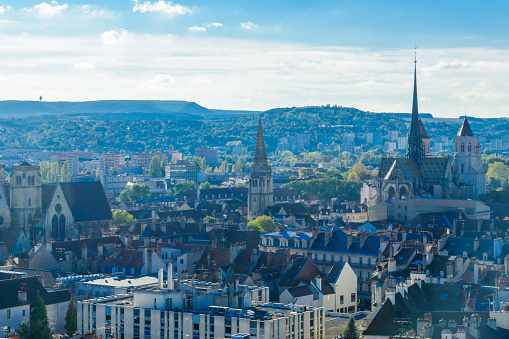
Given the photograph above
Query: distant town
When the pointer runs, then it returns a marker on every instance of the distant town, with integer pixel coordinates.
(294, 223)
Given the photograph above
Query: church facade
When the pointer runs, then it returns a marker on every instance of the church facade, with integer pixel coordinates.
(420, 174)
(261, 188)
(52, 211)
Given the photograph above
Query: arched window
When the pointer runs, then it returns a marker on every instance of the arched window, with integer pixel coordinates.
(29, 202)
(462, 168)
(392, 193)
(463, 147)
(61, 227)
(469, 147)
(403, 192)
(54, 226)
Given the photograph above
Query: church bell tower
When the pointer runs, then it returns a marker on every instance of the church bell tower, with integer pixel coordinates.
(260, 193)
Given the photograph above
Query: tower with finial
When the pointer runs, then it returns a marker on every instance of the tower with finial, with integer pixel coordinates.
(260, 193)
(467, 164)
(415, 149)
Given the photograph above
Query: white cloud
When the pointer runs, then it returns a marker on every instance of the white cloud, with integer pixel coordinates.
(5, 8)
(197, 29)
(84, 66)
(114, 37)
(158, 82)
(45, 9)
(166, 7)
(203, 28)
(90, 12)
(248, 25)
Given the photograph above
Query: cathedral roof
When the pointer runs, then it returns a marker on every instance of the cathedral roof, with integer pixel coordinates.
(434, 168)
(260, 161)
(429, 169)
(465, 130)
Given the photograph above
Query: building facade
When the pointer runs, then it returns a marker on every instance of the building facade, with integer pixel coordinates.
(209, 154)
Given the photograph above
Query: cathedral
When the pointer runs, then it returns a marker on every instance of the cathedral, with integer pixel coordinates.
(261, 190)
(52, 210)
(420, 174)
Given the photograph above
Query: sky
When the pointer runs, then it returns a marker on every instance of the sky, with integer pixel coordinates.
(257, 55)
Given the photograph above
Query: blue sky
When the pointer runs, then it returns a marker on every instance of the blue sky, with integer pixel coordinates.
(260, 54)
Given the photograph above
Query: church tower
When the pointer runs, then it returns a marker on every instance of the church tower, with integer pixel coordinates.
(260, 194)
(415, 149)
(25, 195)
(467, 164)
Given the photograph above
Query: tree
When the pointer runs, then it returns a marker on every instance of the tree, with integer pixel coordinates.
(359, 172)
(182, 187)
(39, 325)
(164, 162)
(306, 172)
(350, 331)
(135, 192)
(201, 163)
(122, 218)
(224, 166)
(54, 172)
(205, 185)
(154, 168)
(71, 318)
(65, 173)
(498, 174)
(263, 223)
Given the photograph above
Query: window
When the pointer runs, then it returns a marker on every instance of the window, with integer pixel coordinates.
(8, 314)
(29, 202)
(341, 300)
(352, 297)
(24, 313)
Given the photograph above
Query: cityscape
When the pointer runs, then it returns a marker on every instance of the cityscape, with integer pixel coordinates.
(171, 209)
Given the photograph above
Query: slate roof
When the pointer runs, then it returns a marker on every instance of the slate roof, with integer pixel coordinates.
(75, 246)
(48, 276)
(125, 258)
(422, 131)
(289, 234)
(465, 130)
(338, 244)
(9, 292)
(87, 201)
(300, 291)
(295, 208)
(398, 169)
(335, 271)
(443, 219)
(302, 270)
(218, 257)
(456, 246)
(434, 168)
(9, 236)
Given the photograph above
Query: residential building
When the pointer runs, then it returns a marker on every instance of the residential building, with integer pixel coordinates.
(209, 154)
(142, 160)
(109, 160)
(71, 158)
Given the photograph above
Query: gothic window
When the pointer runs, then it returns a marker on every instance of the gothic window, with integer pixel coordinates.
(61, 227)
(462, 147)
(54, 226)
(391, 192)
(1, 220)
(29, 202)
(403, 192)
(58, 208)
(18, 180)
(462, 168)
(469, 147)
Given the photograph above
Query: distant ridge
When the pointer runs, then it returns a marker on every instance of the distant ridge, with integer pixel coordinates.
(153, 109)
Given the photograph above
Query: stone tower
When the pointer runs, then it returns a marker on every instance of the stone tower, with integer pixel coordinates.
(260, 194)
(467, 164)
(25, 195)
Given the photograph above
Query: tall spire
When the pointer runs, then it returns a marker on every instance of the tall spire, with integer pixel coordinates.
(415, 146)
(260, 161)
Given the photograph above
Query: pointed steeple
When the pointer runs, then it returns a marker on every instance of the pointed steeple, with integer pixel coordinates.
(260, 161)
(415, 145)
(465, 130)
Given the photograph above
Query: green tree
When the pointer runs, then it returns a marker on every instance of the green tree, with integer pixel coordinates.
(39, 325)
(498, 174)
(224, 166)
(164, 162)
(359, 172)
(154, 168)
(54, 172)
(205, 185)
(201, 163)
(306, 172)
(65, 173)
(350, 331)
(135, 192)
(71, 318)
(240, 165)
(45, 168)
(122, 218)
(184, 186)
(263, 223)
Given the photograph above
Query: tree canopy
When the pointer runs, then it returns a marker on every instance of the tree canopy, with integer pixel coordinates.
(122, 218)
(263, 223)
(135, 192)
(184, 186)
(350, 331)
(71, 318)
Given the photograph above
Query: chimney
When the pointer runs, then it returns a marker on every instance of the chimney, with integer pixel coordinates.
(363, 239)
(403, 236)
(349, 240)
(10, 261)
(147, 259)
(100, 252)
(319, 283)
(169, 280)
(160, 278)
(391, 295)
(49, 245)
(22, 295)
(392, 265)
(84, 257)
(492, 322)
(461, 334)
(446, 334)
(476, 243)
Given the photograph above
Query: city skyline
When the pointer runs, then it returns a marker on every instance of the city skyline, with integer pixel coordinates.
(230, 55)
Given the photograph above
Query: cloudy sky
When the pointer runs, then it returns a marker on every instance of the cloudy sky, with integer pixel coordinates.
(243, 54)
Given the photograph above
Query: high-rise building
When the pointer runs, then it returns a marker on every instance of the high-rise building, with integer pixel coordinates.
(109, 160)
(182, 170)
(260, 194)
(209, 154)
(142, 160)
(71, 158)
